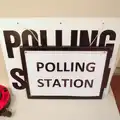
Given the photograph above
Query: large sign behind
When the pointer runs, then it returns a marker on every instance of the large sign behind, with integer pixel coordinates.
(44, 32)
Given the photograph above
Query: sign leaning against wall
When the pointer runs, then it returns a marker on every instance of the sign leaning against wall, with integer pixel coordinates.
(57, 32)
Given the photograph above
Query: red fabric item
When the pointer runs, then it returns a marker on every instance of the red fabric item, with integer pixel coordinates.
(4, 97)
(115, 84)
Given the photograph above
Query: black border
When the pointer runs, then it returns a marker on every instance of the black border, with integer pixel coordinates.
(66, 48)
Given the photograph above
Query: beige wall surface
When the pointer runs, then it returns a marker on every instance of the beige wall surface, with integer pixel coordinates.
(60, 8)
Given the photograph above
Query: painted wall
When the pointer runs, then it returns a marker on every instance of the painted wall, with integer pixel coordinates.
(57, 8)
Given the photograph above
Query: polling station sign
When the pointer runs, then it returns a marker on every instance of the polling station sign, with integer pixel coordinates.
(65, 72)
(57, 32)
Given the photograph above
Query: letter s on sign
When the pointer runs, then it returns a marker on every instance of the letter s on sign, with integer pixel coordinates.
(22, 82)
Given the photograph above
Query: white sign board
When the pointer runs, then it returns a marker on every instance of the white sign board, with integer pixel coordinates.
(64, 72)
(57, 32)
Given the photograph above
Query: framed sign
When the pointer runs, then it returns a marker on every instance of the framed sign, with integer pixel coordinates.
(65, 72)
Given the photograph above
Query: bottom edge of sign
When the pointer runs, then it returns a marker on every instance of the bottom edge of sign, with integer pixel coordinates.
(64, 97)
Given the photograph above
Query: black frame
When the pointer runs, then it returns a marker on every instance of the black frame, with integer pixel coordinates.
(66, 48)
